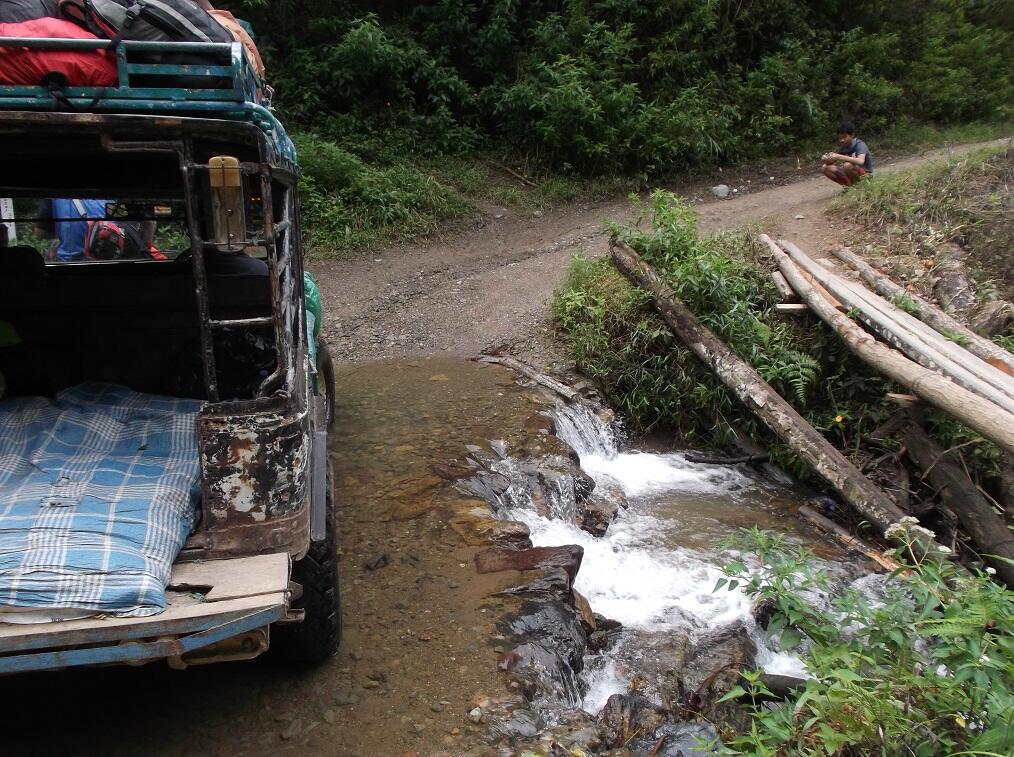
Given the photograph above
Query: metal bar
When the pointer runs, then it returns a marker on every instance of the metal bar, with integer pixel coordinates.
(277, 305)
(238, 323)
(181, 69)
(200, 272)
(137, 651)
(48, 43)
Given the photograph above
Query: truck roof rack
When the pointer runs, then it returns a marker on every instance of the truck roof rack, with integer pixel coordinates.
(217, 81)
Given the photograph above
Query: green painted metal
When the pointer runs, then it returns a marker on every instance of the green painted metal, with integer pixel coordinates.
(216, 82)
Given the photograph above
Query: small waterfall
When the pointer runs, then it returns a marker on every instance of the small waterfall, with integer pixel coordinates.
(579, 426)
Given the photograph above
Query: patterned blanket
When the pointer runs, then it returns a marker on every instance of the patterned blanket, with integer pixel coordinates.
(98, 492)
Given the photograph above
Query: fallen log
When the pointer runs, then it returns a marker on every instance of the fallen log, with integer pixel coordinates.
(928, 313)
(994, 423)
(693, 457)
(787, 293)
(848, 540)
(757, 395)
(918, 341)
(526, 370)
(994, 318)
(987, 530)
(953, 287)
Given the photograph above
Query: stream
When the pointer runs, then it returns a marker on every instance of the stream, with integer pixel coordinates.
(656, 567)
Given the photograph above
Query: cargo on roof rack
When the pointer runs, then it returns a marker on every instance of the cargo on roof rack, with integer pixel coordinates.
(217, 81)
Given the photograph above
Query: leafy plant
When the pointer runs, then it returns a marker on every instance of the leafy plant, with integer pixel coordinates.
(925, 668)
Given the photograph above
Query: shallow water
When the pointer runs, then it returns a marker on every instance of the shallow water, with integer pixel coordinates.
(656, 568)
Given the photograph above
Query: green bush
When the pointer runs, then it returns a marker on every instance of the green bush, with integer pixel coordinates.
(346, 203)
(926, 670)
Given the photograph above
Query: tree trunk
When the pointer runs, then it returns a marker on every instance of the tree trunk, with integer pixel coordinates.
(992, 422)
(757, 395)
(987, 530)
(953, 288)
(922, 344)
(934, 316)
(994, 318)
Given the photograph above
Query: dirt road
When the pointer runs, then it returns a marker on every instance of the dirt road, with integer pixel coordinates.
(489, 287)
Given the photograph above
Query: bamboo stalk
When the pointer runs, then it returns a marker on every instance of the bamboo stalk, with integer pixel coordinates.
(926, 311)
(757, 395)
(994, 423)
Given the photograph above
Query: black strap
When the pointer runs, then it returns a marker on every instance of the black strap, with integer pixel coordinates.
(55, 84)
(133, 13)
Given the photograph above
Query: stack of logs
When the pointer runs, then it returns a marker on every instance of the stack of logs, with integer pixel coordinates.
(920, 347)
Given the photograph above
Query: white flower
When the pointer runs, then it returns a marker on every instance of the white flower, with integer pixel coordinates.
(991, 571)
(984, 658)
(945, 550)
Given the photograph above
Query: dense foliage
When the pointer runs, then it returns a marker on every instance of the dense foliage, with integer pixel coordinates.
(649, 88)
(924, 668)
(618, 338)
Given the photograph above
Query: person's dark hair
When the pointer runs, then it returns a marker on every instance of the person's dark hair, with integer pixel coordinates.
(846, 127)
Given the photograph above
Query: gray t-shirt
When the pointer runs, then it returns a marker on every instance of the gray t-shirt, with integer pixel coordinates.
(859, 149)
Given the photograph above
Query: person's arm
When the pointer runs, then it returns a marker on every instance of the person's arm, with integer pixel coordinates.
(835, 157)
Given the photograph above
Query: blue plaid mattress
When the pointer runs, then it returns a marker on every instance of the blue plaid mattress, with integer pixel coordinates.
(98, 492)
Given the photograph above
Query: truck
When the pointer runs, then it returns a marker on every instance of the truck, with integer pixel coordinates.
(214, 309)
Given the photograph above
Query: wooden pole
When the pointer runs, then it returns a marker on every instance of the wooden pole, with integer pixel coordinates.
(991, 421)
(988, 530)
(927, 312)
(922, 344)
(757, 395)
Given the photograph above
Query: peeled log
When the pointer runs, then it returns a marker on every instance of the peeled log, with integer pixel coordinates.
(992, 422)
(913, 337)
(927, 312)
(757, 395)
(987, 529)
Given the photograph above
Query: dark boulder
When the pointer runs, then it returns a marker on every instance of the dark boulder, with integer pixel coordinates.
(594, 515)
(713, 669)
(544, 676)
(555, 625)
(625, 718)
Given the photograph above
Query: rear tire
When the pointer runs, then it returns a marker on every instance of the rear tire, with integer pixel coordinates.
(318, 636)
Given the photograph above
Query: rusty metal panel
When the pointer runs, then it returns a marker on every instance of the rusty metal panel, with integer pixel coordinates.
(255, 478)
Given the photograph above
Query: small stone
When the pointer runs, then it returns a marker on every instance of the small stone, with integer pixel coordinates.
(294, 728)
(437, 707)
(455, 732)
(417, 727)
(369, 683)
(721, 191)
(537, 214)
(330, 716)
(346, 699)
(799, 217)
(378, 561)
(475, 715)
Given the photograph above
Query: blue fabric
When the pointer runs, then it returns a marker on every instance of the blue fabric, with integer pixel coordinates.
(98, 492)
(71, 234)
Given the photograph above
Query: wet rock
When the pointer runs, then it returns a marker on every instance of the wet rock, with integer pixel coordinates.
(499, 447)
(554, 583)
(568, 557)
(451, 470)
(486, 485)
(555, 625)
(539, 422)
(513, 725)
(626, 717)
(576, 729)
(474, 522)
(544, 675)
(436, 707)
(678, 740)
(714, 668)
(763, 610)
(475, 715)
(721, 191)
(584, 611)
(378, 561)
(595, 515)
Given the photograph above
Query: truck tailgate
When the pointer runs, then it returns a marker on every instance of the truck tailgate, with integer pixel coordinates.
(208, 603)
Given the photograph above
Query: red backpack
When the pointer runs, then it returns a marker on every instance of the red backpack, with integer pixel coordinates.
(76, 68)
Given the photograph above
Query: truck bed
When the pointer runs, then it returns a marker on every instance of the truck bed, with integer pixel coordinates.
(208, 603)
